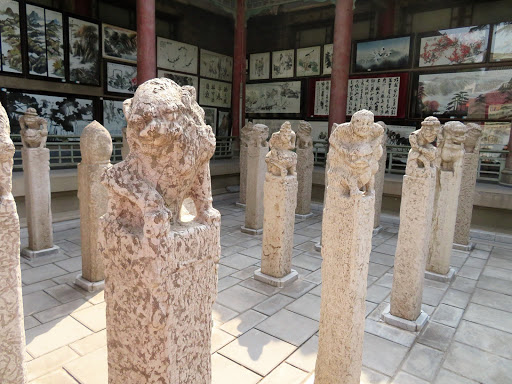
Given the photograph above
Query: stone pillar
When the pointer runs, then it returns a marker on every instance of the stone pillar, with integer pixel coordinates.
(96, 149)
(416, 210)
(160, 267)
(279, 210)
(257, 149)
(36, 169)
(379, 181)
(125, 149)
(243, 163)
(146, 40)
(346, 244)
(305, 164)
(449, 173)
(467, 188)
(506, 173)
(12, 331)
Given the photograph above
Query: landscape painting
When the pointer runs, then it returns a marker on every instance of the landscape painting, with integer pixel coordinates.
(113, 116)
(215, 93)
(216, 66)
(176, 56)
(473, 94)
(308, 61)
(54, 44)
(455, 46)
(327, 59)
(210, 117)
(501, 47)
(121, 78)
(382, 55)
(84, 51)
(119, 43)
(66, 115)
(259, 66)
(10, 37)
(224, 124)
(180, 79)
(283, 64)
(278, 97)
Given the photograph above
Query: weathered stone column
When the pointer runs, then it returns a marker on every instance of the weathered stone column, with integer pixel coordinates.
(36, 169)
(467, 188)
(305, 164)
(161, 272)
(449, 173)
(12, 331)
(96, 149)
(347, 226)
(257, 149)
(243, 162)
(279, 210)
(379, 181)
(125, 149)
(416, 210)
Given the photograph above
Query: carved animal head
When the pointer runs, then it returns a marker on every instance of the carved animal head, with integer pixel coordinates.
(257, 135)
(304, 138)
(284, 139)
(472, 137)
(360, 157)
(454, 132)
(362, 123)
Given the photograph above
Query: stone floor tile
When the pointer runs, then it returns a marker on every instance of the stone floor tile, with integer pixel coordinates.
(499, 263)
(289, 326)
(37, 302)
(448, 315)
(81, 368)
(306, 262)
(239, 298)
(428, 309)
(456, 298)
(317, 291)
(222, 314)
(496, 285)
(492, 299)
(488, 339)
(497, 273)
(475, 262)
(30, 322)
(390, 333)
(377, 270)
(258, 286)
(308, 246)
(377, 293)
(385, 281)
(94, 298)
(376, 313)
(405, 378)
(258, 351)
(314, 277)
(57, 377)
(243, 323)
(307, 305)
(238, 261)
(94, 317)
(382, 258)
(64, 293)
(369, 307)
(45, 272)
(457, 261)
(254, 252)
(369, 376)
(225, 371)
(245, 273)
(469, 272)
(36, 287)
(483, 247)
(71, 265)
(480, 253)
(228, 251)
(305, 357)
(90, 343)
(45, 260)
(297, 288)
(285, 374)
(273, 304)
(447, 377)
(226, 282)
(61, 310)
(423, 362)
(503, 253)
(386, 249)
(478, 365)
(370, 280)
(219, 339)
(299, 239)
(437, 336)
(436, 284)
(68, 278)
(432, 296)
(382, 355)
(463, 284)
(224, 271)
(49, 362)
(489, 317)
(67, 246)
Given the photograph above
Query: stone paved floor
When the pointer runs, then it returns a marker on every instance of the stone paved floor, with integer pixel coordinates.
(268, 335)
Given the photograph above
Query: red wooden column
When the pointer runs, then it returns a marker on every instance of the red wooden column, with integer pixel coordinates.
(386, 20)
(341, 62)
(239, 69)
(146, 40)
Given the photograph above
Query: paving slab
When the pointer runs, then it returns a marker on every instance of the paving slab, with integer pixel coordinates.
(289, 326)
(382, 355)
(492, 299)
(285, 374)
(49, 362)
(437, 336)
(243, 323)
(81, 368)
(307, 305)
(489, 317)
(423, 362)
(305, 357)
(225, 371)
(240, 298)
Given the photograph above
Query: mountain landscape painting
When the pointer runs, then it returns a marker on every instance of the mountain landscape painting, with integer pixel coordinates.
(382, 55)
(10, 37)
(84, 51)
(113, 116)
(119, 43)
(501, 48)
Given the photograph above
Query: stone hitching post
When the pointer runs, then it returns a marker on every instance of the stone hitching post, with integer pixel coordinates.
(467, 188)
(96, 149)
(379, 181)
(279, 210)
(12, 331)
(352, 161)
(243, 163)
(416, 210)
(305, 164)
(450, 153)
(257, 149)
(160, 267)
(36, 169)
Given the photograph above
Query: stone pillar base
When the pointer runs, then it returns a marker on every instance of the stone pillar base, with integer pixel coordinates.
(276, 281)
(89, 286)
(31, 255)
(303, 217)
(464, 248)
(442, 278)
(506, 177)
(377, 230)
(408, 325)
(239, 204)
(251, 231)
(318, 247)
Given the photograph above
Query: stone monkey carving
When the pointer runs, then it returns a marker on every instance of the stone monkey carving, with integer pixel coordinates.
(422, 155)
(34, 129)
(281, 161)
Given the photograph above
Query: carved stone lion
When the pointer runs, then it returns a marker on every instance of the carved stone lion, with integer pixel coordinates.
(451, 145)
(281, 161)
(34, 131)
(422, 155)
(304, 139)
(256, 135)
(472, 142)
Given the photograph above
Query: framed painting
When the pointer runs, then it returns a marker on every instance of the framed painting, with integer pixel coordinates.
(120, 78)
(216, 66)
(67, 115)
(210, 117)
(224, 124)
(113, 116)
(176, 56)
(283, 64)
(327, 59)
(10, 37)
(259, 66)
(454, 46)
(501, 48)
(119, 43)
(273, 98)
(180, 78)
(214, 93)
(84, 51)
(382, 55)
(45, 42)
(308, 61)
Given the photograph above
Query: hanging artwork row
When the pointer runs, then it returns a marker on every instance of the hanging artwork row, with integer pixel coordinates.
(119, 43)
(216, 66)
(10, 37)
(180, 78)
(273, 98)
(84, 51)
(120, 78)
(113, 116)
(215, 93)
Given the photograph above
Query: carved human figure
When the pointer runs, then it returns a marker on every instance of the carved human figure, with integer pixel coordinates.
(34, 129)
(281, 161)
(304, 139)
(472, 142)
(161, 272)
(422, 154)
(450, 144)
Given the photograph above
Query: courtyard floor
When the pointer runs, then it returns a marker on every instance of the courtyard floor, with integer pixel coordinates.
(269, 335)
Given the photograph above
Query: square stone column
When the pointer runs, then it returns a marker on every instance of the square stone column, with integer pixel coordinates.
(305, 164)
(243, 175)
(379, 181)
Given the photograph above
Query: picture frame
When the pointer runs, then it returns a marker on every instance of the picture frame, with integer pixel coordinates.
(259, 66)
(176, 56)
(327, 59)
(120, 78)
(501, 49)
(113, 116)
(210, 117)
(83, 57)
(119, 43)
(181, 79)
(283, 64)
(224, 123)
(274, 98)
(308, 61)
(11, 61)
(382, 55)
(216, 66)
(214, 93)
